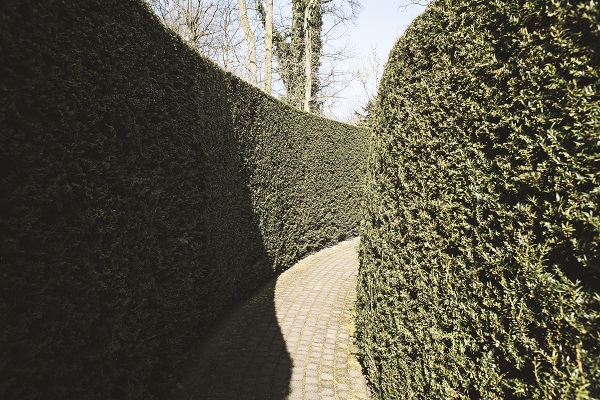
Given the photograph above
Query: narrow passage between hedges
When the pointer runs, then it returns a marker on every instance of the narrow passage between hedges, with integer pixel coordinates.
(291, 340)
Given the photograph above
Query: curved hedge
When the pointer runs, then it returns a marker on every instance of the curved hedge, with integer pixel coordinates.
(304, 173)
(480, 259)
(142, 190)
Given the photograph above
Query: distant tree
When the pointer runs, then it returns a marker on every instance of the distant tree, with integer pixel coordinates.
(313, 24)
(250, 40)
(422, 3)
(363, 117)
(293, 44)
(299, 48)
(368, 75)
(269, 47)
(195, 21)
(210, 26)
(229, 41)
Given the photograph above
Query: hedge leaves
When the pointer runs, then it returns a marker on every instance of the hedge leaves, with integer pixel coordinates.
(480, 259)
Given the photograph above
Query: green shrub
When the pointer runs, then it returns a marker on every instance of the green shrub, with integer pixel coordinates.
(133, 197)
(480, 261)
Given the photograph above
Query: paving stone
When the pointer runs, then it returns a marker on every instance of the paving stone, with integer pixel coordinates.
(342, 394)
(311, 390)
(326, 376)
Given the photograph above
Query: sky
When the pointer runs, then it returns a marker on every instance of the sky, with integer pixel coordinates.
(379, 24)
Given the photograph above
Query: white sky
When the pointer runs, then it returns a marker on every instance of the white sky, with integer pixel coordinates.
(379, 24)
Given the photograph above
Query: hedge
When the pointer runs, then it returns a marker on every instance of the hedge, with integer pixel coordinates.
(142, 190)
(305, 174)
(479, 258)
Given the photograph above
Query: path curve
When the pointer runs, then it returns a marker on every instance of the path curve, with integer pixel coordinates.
(291, 340)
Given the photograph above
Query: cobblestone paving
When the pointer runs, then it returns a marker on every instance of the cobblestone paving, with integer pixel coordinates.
(292, 340)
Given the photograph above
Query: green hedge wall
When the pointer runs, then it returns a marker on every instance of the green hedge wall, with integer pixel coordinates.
(135, 184)
(305, 173)
(480, 259)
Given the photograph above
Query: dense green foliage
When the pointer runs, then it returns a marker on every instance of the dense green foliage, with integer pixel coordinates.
(480, 259)
(142, 190)
(304, 174)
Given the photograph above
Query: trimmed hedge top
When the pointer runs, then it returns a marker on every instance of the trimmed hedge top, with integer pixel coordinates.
(480, 258)
(142, 190)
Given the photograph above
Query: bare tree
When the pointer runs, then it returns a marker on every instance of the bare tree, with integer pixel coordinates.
(210, 26)
(194, 20)
(299, 44)
(250, 40)
(229, 40)
(407, 3)
(369, 74)
(300, 64)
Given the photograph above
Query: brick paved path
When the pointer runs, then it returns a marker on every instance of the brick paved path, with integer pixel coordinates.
(292, 340)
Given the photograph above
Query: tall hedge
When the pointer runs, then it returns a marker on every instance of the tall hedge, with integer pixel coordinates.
(142, 190)
(480, 259)
(305, 173)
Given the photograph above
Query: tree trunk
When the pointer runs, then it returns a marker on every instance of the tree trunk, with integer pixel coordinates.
(250, 40)
(291, 48)
(294, 65)
(269, 47)
(307, 56)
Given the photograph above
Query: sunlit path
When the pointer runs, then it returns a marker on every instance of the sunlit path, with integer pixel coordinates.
(292, 340)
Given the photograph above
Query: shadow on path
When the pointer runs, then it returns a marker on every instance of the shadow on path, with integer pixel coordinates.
(248, 361)
(291, 339)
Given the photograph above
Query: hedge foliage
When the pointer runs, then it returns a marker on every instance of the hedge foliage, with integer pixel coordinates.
(142, 190)
(305, 174)
(480, 259)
